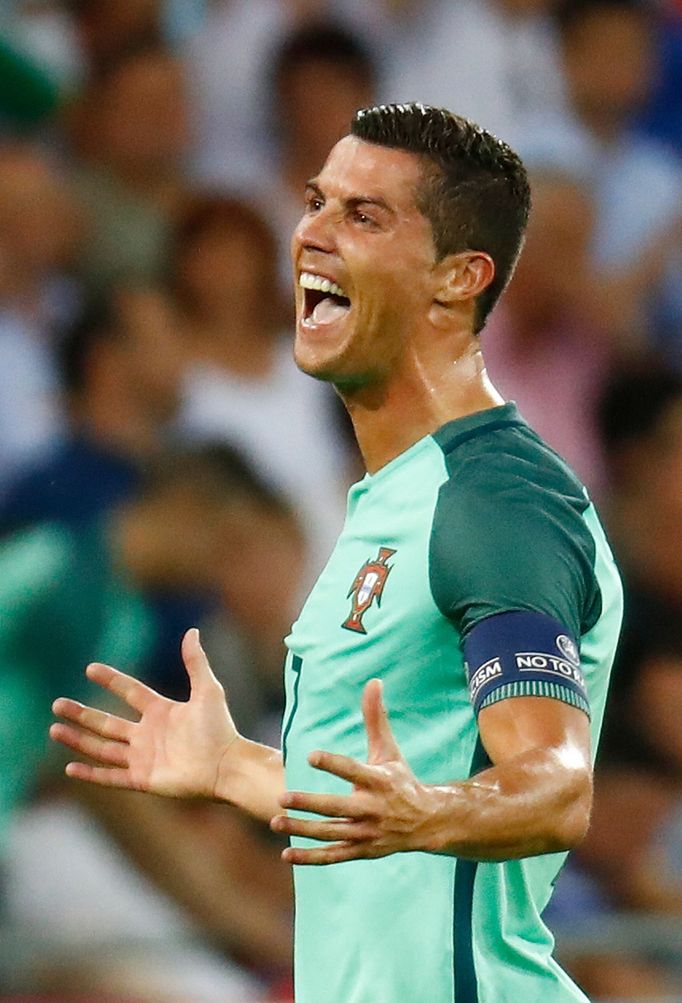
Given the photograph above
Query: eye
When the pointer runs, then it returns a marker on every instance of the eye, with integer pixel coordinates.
(313, 203)
(362, 218)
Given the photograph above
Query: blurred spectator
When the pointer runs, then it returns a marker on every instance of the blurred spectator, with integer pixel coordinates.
(132, 131)
(121, 369)
(243, 384)
(265, 571)
(40, 232)
(320, 76)
(542, 345)
(68, 595)
(228, 64)
(73, 594)
(107, 30)
(495, 61)
(637, 181)
(641, 752)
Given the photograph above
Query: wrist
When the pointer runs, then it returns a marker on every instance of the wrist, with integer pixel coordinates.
(442, 825)
(227, 772)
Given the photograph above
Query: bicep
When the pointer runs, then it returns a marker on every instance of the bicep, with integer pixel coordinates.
(520, 725)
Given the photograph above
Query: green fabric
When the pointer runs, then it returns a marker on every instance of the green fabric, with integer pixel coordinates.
(61, 606)
(509, 532)
(446, 553)
(27, 94)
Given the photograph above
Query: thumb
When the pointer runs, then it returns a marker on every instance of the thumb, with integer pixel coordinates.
(196, 662)
(382, 745)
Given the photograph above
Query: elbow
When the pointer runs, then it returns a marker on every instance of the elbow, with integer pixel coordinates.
(571, 821)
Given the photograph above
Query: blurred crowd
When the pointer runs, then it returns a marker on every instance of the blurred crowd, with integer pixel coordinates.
(164, 464)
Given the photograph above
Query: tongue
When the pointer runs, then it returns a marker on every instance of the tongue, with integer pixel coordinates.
(327, 311)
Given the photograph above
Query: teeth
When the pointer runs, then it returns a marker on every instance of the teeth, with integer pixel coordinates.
(308, 280)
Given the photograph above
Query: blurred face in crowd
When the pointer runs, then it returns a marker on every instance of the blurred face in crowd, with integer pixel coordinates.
(40, 221)
(222, 274)
(546, 284)
(361, 230)
(139, 120)
(608, 57)
(149, 356)
(318, 101)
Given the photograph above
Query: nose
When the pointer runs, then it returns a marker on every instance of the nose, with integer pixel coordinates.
(316, 232)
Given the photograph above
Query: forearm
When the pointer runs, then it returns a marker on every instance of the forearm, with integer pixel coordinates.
(251, 777)
(538, 802)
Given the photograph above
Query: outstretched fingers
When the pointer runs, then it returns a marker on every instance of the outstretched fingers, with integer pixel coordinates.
(360, 774)
(335, 853)
(325, 830)
(382, 746)
(103, 750)
(101, 775)
(136, 694)
(96, 721)
(196, 662)
(330, 805)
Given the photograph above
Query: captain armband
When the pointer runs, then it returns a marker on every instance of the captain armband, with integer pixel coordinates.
(522, 653)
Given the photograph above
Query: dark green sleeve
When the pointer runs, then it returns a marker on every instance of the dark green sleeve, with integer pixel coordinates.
(508, 534)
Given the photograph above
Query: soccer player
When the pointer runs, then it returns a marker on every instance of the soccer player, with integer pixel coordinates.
(471, 592)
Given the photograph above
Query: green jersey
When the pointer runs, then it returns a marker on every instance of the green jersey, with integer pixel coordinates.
(62, 604)
(477, 520)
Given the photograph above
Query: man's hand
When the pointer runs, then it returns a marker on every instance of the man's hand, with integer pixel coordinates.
(387, 812)
(534, 798)
(175, 748)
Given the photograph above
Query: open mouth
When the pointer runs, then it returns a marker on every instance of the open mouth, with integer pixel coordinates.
(324, 302)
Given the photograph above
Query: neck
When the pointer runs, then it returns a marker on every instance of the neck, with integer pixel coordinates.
(391, 416)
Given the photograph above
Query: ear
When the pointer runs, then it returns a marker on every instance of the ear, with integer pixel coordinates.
(462, 277)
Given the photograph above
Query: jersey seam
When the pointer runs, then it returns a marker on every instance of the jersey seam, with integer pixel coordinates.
(459, 437)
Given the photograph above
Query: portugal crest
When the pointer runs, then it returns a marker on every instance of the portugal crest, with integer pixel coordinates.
(367, 586)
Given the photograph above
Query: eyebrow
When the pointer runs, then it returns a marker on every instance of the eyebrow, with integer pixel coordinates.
(353, 201)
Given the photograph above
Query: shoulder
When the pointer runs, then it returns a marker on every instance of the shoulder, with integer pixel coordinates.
(500, 471)
(508, 530)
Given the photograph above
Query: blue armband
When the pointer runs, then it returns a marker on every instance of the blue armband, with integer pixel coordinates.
(523, 654)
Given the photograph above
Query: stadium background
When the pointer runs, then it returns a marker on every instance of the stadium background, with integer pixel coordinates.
(152, 156)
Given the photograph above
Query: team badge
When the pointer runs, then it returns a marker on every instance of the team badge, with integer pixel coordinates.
(367, 586)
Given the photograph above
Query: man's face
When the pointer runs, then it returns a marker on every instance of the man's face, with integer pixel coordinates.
(363, 240)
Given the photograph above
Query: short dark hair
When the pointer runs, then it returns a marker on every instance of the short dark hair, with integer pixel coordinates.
(220, 473)
(324, 42)
(474, 191)
(633, 402)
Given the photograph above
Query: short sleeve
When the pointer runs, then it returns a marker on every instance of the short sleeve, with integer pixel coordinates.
(508, 534)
